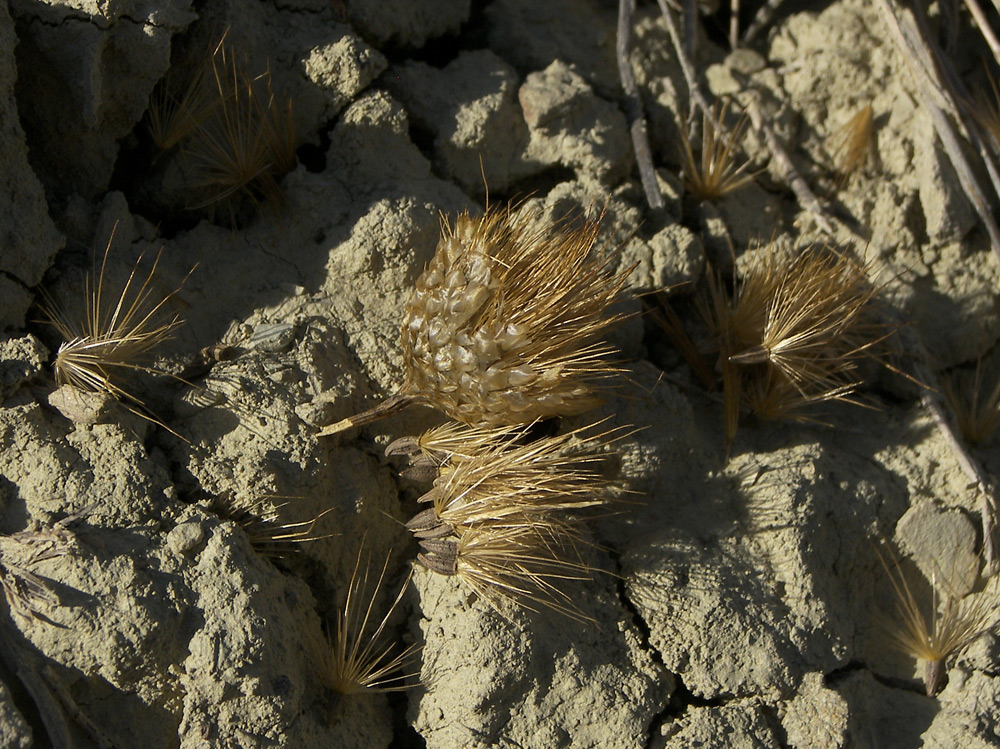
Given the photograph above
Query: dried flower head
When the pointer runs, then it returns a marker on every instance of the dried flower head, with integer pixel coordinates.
(793, 334)
(948, 627)
(247, 143)
(115, 336)
(360, 659)
(261, 520)
(976, 411)
(506, 322)
(854, 144)
(509, 566)
(716, 173)
(173, 115)
(505, 515)
(510, 480)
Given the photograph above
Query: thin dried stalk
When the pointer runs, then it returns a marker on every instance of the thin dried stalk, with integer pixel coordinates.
(360, 659)
(716, 173)
(633, 108)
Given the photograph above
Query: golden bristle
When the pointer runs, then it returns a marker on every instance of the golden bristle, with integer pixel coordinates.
(362, 661)
(808, 320)
(715, 174)
(854, 144)
(114, 337)
(946, 629)
(248, 142)
(506, 322)
(976, 411)
(528, 483)
(269, 535)
(510, 566)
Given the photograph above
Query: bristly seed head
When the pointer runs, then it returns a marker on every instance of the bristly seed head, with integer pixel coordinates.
(361, 660)
(505, 325)
(506, 321)
(115, 336)
(793, 334)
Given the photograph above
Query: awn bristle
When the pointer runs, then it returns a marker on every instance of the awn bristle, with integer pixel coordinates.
(506, 321)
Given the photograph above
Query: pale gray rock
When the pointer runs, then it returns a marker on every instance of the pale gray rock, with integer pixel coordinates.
(28, 237)
(571, 127)
(471, 110)
(406, 23)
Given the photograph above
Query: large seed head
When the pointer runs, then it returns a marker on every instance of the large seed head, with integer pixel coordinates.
(506, 321)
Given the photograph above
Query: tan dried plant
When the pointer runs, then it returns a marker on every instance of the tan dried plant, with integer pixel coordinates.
(117, 333)
(950, 624)
(510, 566)
(268, 533)
(976, 410)
(716, 173)
(361, 656)
(986, 111)
(793, 333)
(506, 322)
(854, 144)
(247, 144)
(511, 480)
(30, 596)
(506, 515)
(174, 115)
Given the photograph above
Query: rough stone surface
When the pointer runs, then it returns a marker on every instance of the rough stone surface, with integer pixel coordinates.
(740, 594)
(470, 109)
(28, 238)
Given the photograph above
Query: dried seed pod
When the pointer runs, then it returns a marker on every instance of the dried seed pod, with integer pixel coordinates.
(792, 334)
(506, 321)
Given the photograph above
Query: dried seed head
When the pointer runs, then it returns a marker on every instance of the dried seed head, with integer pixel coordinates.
(261, 520)
(799, 329)
(506, 322)
(854, 144)
(715, 174)
(976, 410)
(511, 481)
(515, 565)
(359, 660)
(947, 628)
(114, 337)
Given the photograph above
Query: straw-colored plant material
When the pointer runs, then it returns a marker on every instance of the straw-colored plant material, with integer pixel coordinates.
(361, 656)
(248, 142)
(854, 144)
(30, 596)
(976, 411)
(261, 520)
(510, 566)
(515, 481)
(506, 323)
(950, 624)
(797, 331)
(172, 116)
(716, 173)
(116, 334)
(986, 110)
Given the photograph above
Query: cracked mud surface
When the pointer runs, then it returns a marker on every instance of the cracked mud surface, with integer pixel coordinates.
(740, 599)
